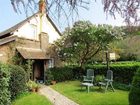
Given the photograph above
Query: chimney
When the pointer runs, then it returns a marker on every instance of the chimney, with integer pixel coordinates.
(42, 6)
(44, 41)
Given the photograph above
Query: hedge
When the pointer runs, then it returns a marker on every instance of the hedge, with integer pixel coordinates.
(17, 81)
(4, 85)
(123, 73)
(134, 95)
(62, 73)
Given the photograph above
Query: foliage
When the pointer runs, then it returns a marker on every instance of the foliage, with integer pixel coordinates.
(99, 78)
(84, 40)
(17, 81)
(122, 72)
(134, 95)
(121, 86)
(16, 59)
(128, 9)
(26, 64)
(29, 67)
(128, 49)
(32, 85)
(31, 99)
(62, 73)
(72, 90)
(4, 85)
(49, 76)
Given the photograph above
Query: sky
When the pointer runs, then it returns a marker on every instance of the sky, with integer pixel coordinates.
(94, 14)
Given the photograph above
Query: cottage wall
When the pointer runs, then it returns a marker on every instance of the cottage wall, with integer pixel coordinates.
(6, 52)
(32, 28)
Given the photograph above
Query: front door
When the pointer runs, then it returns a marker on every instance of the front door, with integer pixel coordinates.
(38, 70)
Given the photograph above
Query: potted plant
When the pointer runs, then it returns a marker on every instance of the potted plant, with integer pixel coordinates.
(99, 78)
(34, 85)
(53, 82)
(31, 85)
(49, 78)
(38, 86)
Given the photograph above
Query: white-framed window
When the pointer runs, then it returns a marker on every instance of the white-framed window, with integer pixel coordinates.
(51, 63)
(33, 31)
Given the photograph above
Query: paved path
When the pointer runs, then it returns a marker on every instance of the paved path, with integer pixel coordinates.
(55, 97)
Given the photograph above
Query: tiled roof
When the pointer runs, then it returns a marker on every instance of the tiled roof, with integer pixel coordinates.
(31, 53)
(7, 39)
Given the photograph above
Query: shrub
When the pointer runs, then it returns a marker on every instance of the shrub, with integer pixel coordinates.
(4, 85)
(17, 81)
(33, 86)
(122, 72)
(99, 78)
(121, 86)
(49, 77)
(62, 73)
(134, 95)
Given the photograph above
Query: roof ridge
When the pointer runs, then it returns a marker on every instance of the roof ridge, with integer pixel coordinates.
(14, 27)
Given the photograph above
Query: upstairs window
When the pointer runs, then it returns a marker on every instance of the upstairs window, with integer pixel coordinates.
(33, 31)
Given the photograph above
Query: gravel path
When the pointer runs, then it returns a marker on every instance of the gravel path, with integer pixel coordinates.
(55, 97)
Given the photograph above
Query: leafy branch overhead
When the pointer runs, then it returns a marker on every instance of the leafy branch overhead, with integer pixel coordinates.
(128, 9)
(84, 40)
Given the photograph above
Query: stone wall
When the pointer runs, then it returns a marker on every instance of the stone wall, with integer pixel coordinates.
(7, 52)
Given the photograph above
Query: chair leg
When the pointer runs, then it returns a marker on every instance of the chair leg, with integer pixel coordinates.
(88, 89)
(112, 86)
(106, 86)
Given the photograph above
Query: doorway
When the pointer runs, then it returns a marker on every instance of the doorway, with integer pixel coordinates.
(38, 70)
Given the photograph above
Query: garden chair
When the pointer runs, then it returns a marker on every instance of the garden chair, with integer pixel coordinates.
(89, 77)
(108, 80)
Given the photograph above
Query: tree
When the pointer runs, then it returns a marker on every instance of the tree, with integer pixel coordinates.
(128, 9)
(84, 40)
(128, 49)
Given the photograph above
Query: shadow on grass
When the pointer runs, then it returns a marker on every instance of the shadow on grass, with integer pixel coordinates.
(92, 89)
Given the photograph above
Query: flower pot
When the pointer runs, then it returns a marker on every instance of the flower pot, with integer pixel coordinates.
(33, 90)
(53, 82)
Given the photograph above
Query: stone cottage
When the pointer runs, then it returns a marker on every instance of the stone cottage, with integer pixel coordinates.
(31, 39)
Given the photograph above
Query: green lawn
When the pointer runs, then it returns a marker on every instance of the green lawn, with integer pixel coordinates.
(73, 90)
(31, 99)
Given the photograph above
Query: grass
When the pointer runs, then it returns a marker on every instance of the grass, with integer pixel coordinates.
(31, 99)
(73, 90)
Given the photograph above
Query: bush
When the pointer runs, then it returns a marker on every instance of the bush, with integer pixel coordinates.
(134, 95)
(17, 81)
(62, 73)
(49, 77)
(121, 86)
(33, 86)
(99, 78)
(122, 72)
(4, 85)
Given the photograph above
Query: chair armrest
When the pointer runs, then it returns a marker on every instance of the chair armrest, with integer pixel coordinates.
(92, 76)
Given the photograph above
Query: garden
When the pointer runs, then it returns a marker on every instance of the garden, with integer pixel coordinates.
(93, 44)
(72, 90)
